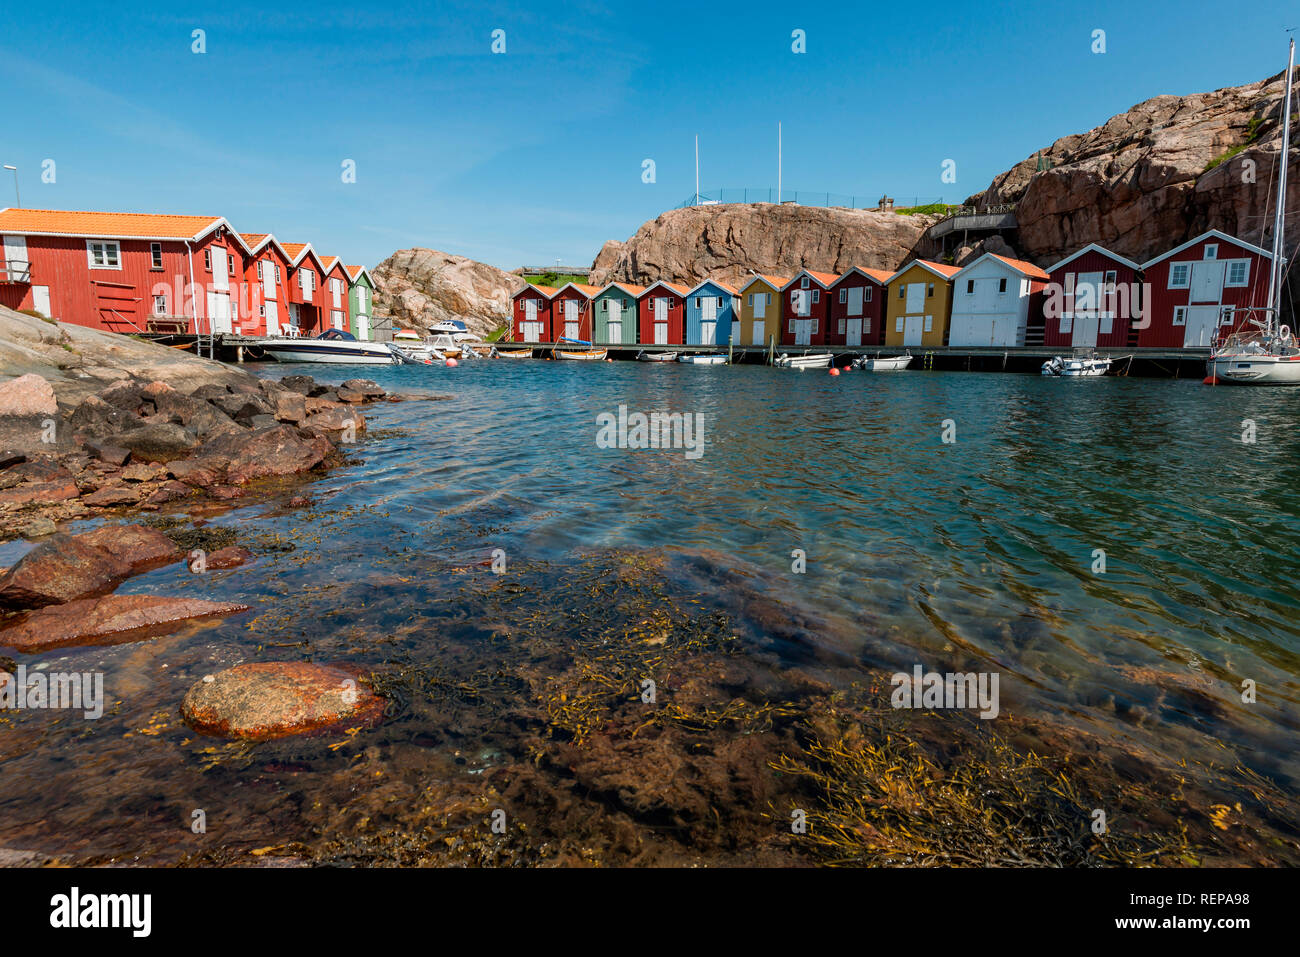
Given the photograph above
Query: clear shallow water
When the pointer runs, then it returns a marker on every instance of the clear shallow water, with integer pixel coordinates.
(976, 555)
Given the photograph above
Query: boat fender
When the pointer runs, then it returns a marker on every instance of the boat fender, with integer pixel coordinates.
(834, 371)
(1284, 333)
(451, 363)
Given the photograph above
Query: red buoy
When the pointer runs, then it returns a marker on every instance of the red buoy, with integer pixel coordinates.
(834, 371)
(451, 363)
(1210, 380)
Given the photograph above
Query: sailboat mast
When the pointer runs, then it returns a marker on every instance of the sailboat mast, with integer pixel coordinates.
(1275, 272)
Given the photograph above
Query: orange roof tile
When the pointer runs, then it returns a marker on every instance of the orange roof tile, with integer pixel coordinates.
(254, 239)
(627, 286)
(948, 271)
(879, 275)
(1029, 269)
(58, 222)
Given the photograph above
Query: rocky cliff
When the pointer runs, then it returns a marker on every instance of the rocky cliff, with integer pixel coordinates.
(729, 242)
(420, 287)
(1148, 179)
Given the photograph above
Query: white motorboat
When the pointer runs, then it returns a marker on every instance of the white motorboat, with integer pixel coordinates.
(644, 356)
(882, 363)
(1072, 367)
(821, 360)
(411, 347)
(708, 359)
(332, 345)
(1266, 354)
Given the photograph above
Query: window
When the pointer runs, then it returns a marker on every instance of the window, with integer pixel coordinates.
(307, 280)
(803, 283)
(898, 324)
(277, 274)
(929, 323)
(767, 299)
(844, 295)
(230, 262)
(1180, 315)
(104, 255)
(155, 255)
(261, 311)
(207, 259)
(1002, 286)
(1211, 250)
(817, 295)
(160, 305)
(1067, 323)
(751, 300)
(866, 293)
(843, 323)
(902, 291)
(791, 324)
(970, 286)
(866, 327)
(260, 264)
(699, 304)
(929, 292)
(672, 303)
(1180, 275)
(604, 305)
(1109, 280)
(1238, 272)
(814, 326)
(1226, 315)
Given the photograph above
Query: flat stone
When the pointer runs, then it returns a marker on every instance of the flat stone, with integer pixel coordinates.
(367, 387)
(40, 493)
(302, 384)
(157, 442)
(112, 619)
(11, 458)
(140, 546)
(232, 556)
(62, 568)
(107, 452)
(264, 700)
(112, 496)
(27, 394)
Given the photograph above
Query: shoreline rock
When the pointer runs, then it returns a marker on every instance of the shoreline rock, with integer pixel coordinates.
(263, 700)
(110, 619)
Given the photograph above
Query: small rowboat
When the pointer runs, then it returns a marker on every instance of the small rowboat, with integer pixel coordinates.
(821, 360)
(582, 355)
(514, 353)
(716, 359)
(882, 363)
(644, 356)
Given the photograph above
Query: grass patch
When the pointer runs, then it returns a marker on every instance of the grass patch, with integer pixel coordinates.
(1252, 134)
(939, 209)
(554, 279)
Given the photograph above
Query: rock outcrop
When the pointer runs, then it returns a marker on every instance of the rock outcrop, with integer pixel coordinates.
(603, 266)
(420, 287)
(112, 619)
(1153, 177)
(729, 242)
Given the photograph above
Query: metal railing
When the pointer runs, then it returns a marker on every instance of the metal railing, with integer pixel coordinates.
(800, 197)
(15, 270)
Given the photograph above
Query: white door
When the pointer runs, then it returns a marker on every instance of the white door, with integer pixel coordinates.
(661, 309)
(759, 333)
(336, 319)
(614, 324)
(218, 311)
(16, 263)
(801, 300)
(915, 296)
(363, 327)
(220, 278)
(571, 318)
(337, 290)
(268, 280)
(912, 328)
(1085, 329)
(272, 317)
(1087, 292)
(735, 331)
(803, 332)
(530, 312)
(1202, 324)
(661, 333)
(854, 334)
(709, 321)
(1207, 281)
(855, 301)
(760, 305)
(41, 300)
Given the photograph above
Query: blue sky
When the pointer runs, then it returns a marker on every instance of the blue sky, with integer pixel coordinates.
(536, 154)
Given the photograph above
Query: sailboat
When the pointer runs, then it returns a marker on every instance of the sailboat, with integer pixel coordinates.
(1269, 353)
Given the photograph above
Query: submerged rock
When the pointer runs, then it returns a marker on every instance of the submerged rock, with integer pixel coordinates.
(60, 569)
(272, 699)
(111, 619)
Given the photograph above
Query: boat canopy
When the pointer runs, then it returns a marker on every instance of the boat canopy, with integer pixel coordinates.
(337, 334)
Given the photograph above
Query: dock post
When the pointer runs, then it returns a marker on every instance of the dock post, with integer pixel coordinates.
(239, 354)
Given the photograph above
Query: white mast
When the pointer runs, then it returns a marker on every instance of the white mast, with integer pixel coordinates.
(778, 164)
(697, 169)
(1279, 217)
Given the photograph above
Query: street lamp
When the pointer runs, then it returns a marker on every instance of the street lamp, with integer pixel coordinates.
(18, 197)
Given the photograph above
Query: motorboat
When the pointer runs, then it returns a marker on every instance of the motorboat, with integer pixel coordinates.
(332, 345)
(707, 359)
(1075, 367)
(882, 363)
(644, 356)
(821, 360)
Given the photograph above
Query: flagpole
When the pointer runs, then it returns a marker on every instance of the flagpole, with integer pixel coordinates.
(778, 164)
(697, 169)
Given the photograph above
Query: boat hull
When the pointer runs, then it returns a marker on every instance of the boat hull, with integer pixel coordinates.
(592, 356)
(656, 356)
(884, 364)
(1255, 370)
(804, 362)
(313, 350)
(704, 360)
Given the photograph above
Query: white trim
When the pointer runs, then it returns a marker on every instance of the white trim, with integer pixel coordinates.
(1213, 233)
(90, 256)
(924, 264)
(713, 282)
(1094, 248)
(1227, 283)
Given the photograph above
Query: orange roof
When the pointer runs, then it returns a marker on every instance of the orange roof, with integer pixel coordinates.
(626, 287)
(825, 278)
(254, 239)
(663, 282)
(355, 271)
(776, 282)
(948, 271)
(879, 275)
(587, 291)
(547, 291)
(1029, 269)
(58, 222)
